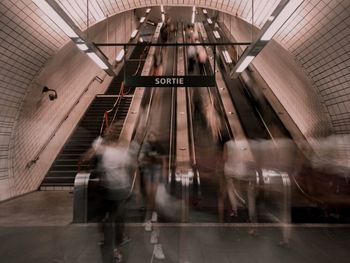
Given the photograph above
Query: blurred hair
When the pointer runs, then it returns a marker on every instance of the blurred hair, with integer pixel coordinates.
(110, 134)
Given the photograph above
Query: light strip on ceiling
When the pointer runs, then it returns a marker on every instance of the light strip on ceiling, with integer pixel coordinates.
(205, 11)
(134, 33)
(148, 10)
(193, 14)
(82, 46)
(56, 18)
(216, 34)
(142, 19)
(209, 21)
(227, 57)
(274, 22)
(162, 8)
(246, 61)
(120, 55)
(97, 60)
(282, 17)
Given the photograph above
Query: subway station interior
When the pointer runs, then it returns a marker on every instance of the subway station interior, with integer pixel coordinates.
(174, 131)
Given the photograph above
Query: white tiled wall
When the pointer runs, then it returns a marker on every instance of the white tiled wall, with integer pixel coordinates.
(33, 120)
(320, 42)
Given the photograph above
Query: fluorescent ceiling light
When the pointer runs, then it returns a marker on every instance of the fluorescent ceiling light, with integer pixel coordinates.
(227, 57)
(162, 8)
(205, 11)
(193, 17)
(209, 21)
(82, 46)
(134, 33)
(97, 60)
(142, 19)
(245, 63)
(287, 11)
(193, 9)
(163, 17)
(148, 10)
(216, 34)
(56, 18)
(120, 55)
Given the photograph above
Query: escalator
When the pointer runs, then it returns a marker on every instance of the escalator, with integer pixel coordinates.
(261, 122)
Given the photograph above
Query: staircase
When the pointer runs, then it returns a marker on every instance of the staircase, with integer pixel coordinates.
(62, 173)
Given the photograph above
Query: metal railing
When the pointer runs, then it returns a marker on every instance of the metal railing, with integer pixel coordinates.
(44, 146)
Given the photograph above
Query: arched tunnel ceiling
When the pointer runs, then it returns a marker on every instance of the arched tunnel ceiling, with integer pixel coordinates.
(318, 35)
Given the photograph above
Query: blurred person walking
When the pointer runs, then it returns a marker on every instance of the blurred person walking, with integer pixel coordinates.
(115, 163)
(152, 164)
(240, 174)
(202, 58)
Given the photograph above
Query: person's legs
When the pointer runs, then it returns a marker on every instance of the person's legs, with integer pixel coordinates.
(231, 191)
(251, 201)
(221, 198)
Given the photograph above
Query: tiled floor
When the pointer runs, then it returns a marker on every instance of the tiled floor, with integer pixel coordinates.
(36, 228)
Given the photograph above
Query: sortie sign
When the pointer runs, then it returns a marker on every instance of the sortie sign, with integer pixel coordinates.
(170, 81)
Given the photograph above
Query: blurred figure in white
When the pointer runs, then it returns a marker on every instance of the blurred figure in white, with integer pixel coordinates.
(195, 34)
(191, 57)
(157, 69)
(277, 161)
(332, 153)
(152, 165)
(202, 58)
(240, 174)
(115, 167)
(115, 164)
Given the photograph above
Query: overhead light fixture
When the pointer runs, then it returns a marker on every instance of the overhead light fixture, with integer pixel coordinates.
(274, 22)
(82, 46)
(52, 9)
(193, 14)
(244, 64)
(163, 17)
(134, 33)
(142, 19)
(148, 10)
(120, 55)
(97, 60)
(162, 8)
(216, 34)
(209, 21)
(205, 11)
(227, 57)
(56, 18)
(282, 17)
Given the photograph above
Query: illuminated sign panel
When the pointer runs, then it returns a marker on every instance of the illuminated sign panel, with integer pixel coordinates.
(170, 81)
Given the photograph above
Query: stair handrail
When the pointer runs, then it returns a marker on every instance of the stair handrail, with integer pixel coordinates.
(105, 122)
(53, 133)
